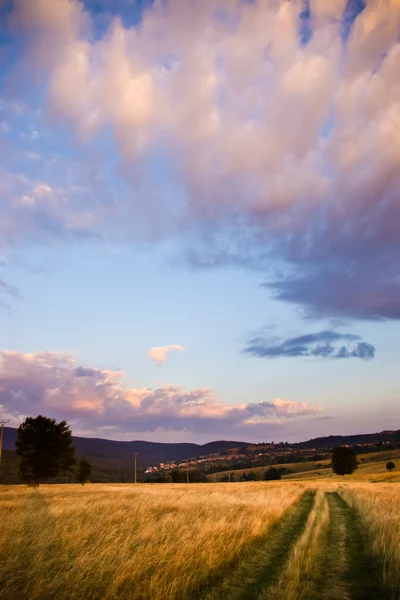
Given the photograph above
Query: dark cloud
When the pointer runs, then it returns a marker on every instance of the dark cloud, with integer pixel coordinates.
(324, 344)
(369, 292)
(86, 372)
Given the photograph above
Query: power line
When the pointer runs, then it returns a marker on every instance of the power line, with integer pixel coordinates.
(2, 423)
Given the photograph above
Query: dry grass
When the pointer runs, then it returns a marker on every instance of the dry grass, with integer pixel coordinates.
(122, 541)
(172, 541)
(302, 572)
(378, 507)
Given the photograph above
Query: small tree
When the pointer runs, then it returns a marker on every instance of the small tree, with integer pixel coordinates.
(344, 460)
(168, 478)
(84, 470)
(390, 466)
(44, 448)
(272, 474)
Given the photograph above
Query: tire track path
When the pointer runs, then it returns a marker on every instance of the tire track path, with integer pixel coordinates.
(252, 572)
(351, 571)
(316, 551)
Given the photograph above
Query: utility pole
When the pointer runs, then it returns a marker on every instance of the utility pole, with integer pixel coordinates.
(135, 454)
(187, 474)
(2, 423)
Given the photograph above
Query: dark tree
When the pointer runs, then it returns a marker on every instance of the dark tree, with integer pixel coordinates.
(390, 465)
(344, 460)
(178, 476)
(84, 470)
(44, 448)
(272, 474)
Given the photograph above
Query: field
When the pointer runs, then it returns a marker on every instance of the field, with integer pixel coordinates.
(299, 540)
(371, 464)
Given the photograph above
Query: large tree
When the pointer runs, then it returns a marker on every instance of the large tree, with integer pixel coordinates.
(344, 460)
(44, 448)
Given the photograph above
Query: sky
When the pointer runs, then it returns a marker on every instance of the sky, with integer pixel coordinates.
(200, 217)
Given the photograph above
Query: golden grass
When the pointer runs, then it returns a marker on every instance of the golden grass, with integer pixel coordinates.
(302, 573)
(124, 541)
(378, 507)
(174, 541)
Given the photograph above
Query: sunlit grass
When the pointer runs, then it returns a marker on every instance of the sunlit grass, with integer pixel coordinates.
(300, 576)
(378, 507)
(183, 541)
(104, 541)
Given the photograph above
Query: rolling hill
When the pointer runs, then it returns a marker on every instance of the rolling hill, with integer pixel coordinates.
(119, 455)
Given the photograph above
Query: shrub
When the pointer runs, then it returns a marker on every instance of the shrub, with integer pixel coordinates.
(390, 466)
(84, 470)
(272, 474)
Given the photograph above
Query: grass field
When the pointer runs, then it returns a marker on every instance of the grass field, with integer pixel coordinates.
(370, 464)
(277, 541)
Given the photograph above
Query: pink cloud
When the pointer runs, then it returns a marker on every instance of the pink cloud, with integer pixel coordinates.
(160, 353)
(275, 144)
(55, 384)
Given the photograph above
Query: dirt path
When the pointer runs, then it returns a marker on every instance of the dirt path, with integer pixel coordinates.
(253, 571)
(317, 551)
(353, 570)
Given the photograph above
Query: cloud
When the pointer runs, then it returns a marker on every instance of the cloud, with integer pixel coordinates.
(93, 400)
(278, 127)
(160, 353)
(324, 344)
(358, 290)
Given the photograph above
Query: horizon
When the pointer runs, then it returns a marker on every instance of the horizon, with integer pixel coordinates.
(211, 441)
(200, 231)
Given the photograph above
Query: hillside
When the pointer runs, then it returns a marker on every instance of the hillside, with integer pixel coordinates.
(351, 440)
(370, 465)
(113, 460)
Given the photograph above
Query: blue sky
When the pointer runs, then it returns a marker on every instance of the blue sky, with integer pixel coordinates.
(168, 178)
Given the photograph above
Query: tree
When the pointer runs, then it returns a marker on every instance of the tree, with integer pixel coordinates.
(390, 466)
(168, 478)
(44, 448)
(84, 470)
(344, 460)
(272, 474)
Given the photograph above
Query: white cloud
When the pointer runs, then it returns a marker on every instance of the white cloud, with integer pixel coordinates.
(160, 353)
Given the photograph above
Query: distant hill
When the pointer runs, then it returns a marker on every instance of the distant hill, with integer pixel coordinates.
(350, 440)
(113, 460)
(119, 455)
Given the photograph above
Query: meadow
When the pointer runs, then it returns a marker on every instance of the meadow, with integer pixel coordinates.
(287, 540)
(371, 464)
